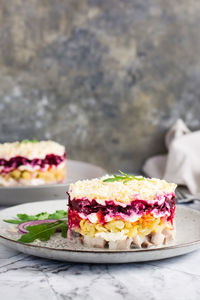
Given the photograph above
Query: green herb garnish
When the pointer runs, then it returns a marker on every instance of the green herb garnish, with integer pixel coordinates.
(22, 218)
(34, 140)
(43, 232)
(123, 177)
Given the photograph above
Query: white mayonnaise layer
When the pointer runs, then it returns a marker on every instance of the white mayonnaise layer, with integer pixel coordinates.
(9, 182)
(12, 182)
(30, 168)
(33, 181)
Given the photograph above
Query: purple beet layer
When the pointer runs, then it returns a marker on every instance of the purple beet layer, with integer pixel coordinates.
(15, 162)
(137, 206)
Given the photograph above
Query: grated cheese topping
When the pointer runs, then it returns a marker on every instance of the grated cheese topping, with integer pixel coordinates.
(150, 189)
(30, 150)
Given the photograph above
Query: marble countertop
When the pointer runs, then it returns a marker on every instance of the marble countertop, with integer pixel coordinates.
(26, 277)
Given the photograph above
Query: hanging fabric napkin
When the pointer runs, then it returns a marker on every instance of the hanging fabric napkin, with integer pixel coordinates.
(182, 163)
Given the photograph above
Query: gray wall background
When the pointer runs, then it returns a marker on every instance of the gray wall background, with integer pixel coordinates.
(106, 78)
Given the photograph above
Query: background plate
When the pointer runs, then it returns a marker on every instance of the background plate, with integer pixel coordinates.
(187, 240)
(76, 170)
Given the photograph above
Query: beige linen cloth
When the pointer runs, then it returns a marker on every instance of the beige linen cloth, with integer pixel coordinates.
(182, 163)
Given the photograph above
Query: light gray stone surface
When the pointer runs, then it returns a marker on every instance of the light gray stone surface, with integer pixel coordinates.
(28, 278)
(25, 277)
(106, 78)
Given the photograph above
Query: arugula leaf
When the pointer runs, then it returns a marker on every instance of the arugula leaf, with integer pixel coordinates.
(43, 232)
(25, 217)
(13, 221)
(64, 229)
(42, 216)
(59, 214)
(22, 218)
(123, 177)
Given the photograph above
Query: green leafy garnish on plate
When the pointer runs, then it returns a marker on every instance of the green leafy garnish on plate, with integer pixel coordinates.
(45, 229)
(123, 177)
(43, 232)
(59, 214)
(22, 218)
(13, 221)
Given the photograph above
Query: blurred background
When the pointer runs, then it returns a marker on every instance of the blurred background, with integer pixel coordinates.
(105, 78)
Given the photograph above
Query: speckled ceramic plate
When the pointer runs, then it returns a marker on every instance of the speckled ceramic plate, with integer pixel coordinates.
(187, 240)
(76, 170)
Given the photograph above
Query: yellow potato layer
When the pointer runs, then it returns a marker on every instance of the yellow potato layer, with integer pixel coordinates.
(51, 175)
(144, 226)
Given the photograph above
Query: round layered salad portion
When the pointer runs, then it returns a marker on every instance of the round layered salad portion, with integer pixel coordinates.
(32, 162)
(121, 214)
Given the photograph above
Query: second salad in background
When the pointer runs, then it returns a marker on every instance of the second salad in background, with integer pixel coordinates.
(32, 162)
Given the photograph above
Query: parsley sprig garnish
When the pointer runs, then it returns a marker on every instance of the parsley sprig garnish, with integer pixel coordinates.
(123, 177)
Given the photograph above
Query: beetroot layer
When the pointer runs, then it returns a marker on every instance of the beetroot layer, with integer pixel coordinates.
(15, 162)
(138, 207)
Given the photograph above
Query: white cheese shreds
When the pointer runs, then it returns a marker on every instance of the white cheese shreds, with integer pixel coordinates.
(147, 189)
(30, 150)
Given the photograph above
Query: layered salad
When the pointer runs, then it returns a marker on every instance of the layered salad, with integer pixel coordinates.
(122, 211)
(32, 162)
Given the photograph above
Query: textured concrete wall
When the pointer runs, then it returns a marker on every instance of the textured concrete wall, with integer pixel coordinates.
(105, 77)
